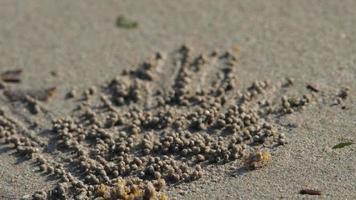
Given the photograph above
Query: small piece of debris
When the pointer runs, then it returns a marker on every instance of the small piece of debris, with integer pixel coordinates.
(54, 73)
(310, 192)
(123, 22)
(343, 144)
(21, 95)
(313, 87)
(11, 76)
(343, 93)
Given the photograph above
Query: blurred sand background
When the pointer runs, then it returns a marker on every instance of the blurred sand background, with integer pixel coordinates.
(311, 41)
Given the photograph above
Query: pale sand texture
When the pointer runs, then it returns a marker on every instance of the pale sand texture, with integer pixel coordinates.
(312, 41)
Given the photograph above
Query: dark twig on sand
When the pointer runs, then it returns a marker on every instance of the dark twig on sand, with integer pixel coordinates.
(310, 192)
(11, 76)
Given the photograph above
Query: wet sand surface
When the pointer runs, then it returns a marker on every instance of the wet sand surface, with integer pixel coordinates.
(76, 45)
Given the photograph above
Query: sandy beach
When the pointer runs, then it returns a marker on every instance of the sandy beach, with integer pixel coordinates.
(77, 45)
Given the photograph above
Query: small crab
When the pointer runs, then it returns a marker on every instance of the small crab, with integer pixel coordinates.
(258, 160)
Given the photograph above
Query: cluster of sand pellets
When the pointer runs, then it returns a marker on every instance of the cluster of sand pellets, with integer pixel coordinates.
(143, 130)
